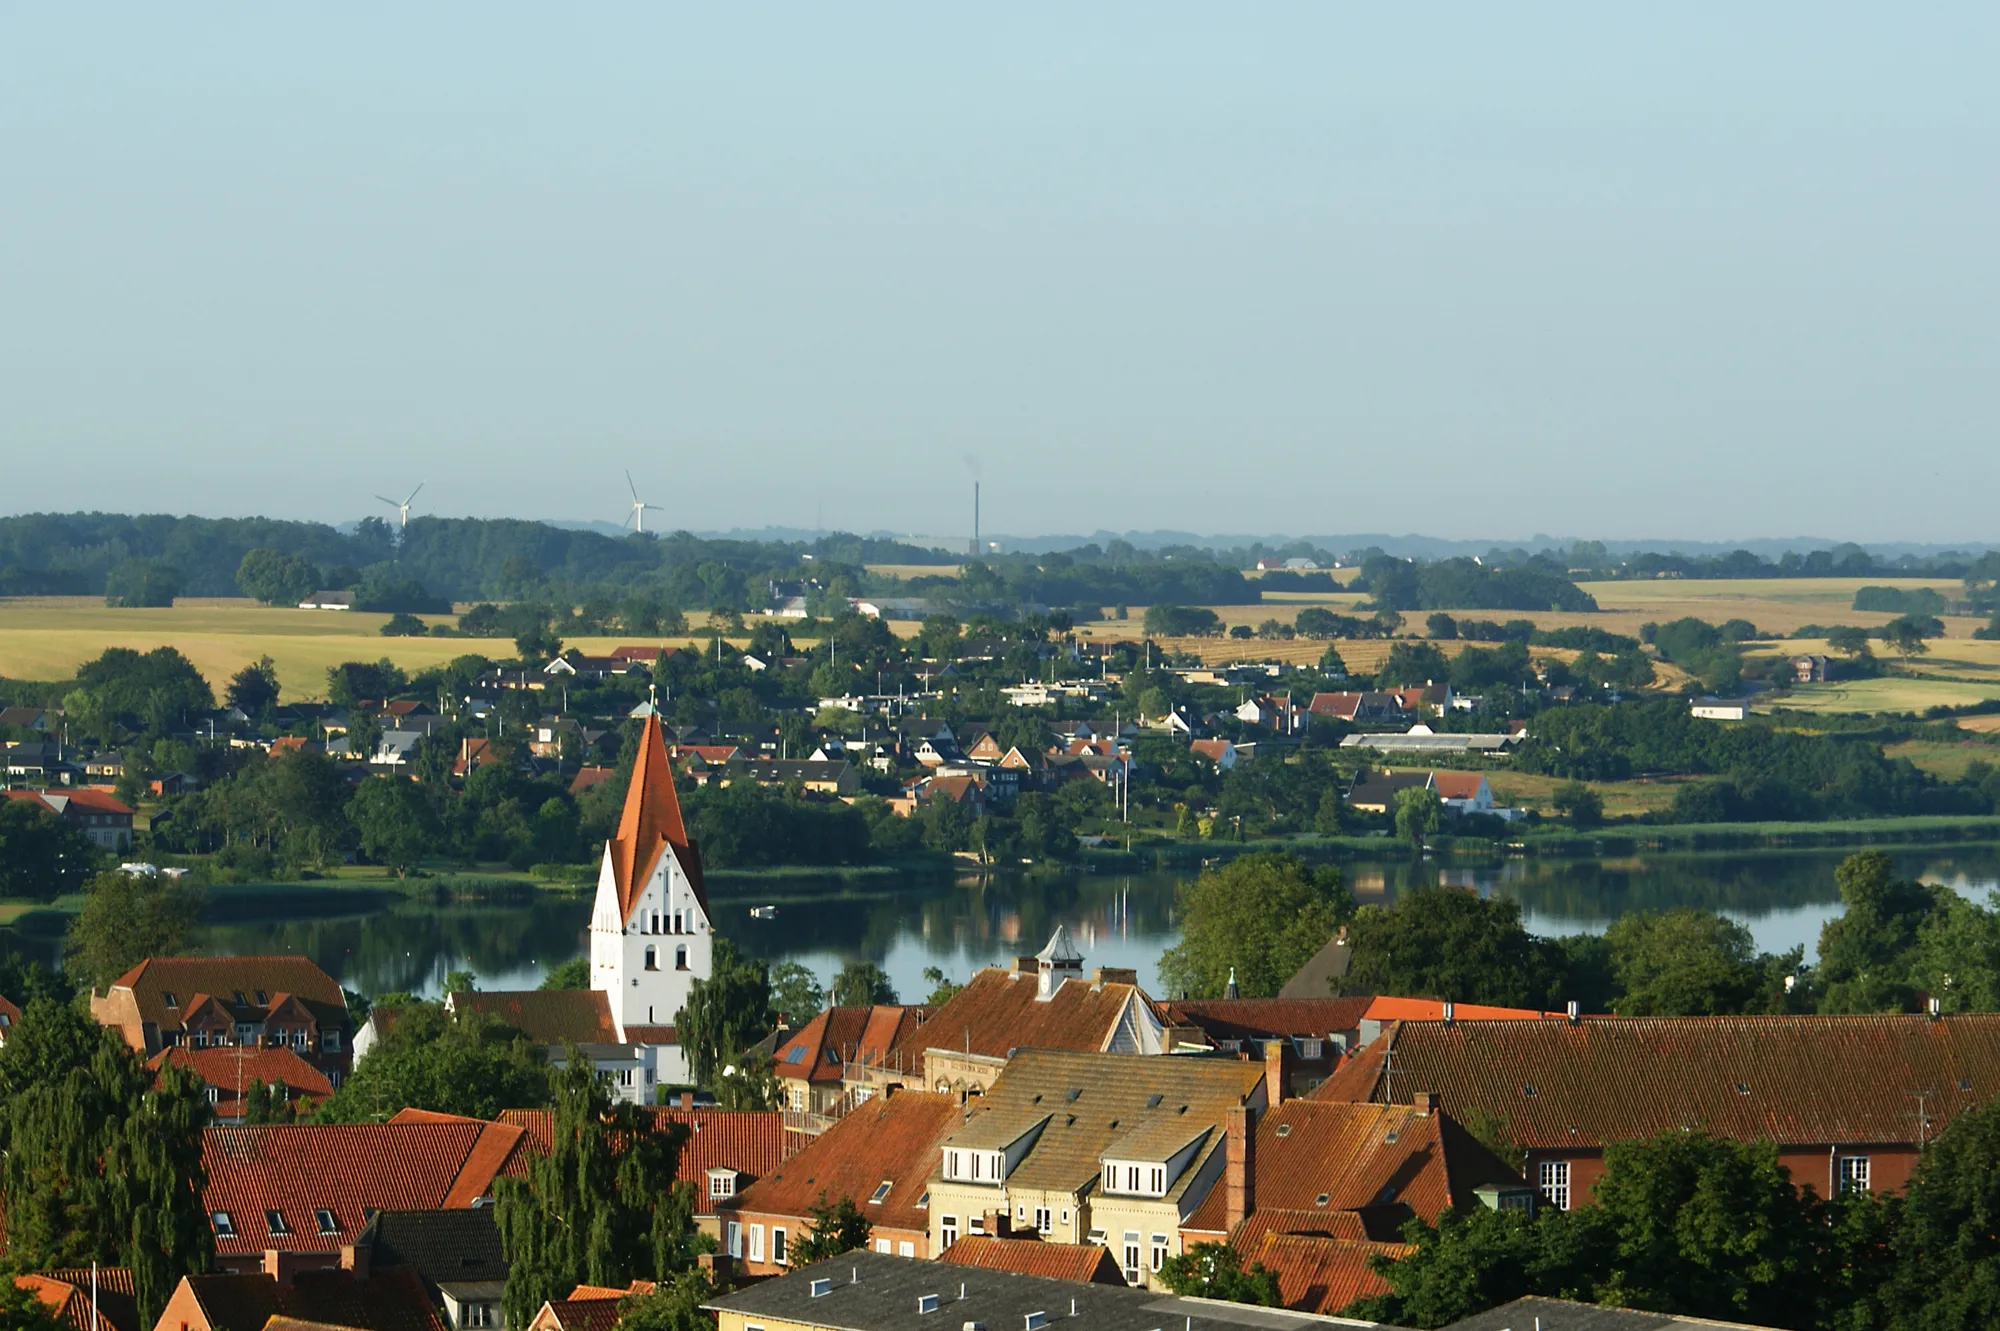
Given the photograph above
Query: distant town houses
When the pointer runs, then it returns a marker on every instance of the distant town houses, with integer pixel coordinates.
(231, 1003)
(104, 821)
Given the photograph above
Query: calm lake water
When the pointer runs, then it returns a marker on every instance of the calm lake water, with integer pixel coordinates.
(1783, 896)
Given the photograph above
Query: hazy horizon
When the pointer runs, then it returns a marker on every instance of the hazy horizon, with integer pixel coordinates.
(1557, 268)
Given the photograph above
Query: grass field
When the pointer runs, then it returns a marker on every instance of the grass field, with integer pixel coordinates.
(1947, 761)
(1896, 693)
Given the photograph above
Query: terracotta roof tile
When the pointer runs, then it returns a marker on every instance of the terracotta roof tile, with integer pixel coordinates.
(67, 1294)
(230, 1074)
(1793, 1080)
(546, 1016)
(824, 1046)
(1457, 785)
(1431, 1009)
(890, 1139)
(998, 1011)
(1322, 1275)
(1090, 1263)
(223, 977)
(389, 1300)
(347, 1169)
(1267, 1018)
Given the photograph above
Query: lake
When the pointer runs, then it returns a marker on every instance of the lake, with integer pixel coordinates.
(1127, 920)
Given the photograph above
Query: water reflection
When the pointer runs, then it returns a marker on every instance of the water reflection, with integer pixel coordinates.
(1126, 920)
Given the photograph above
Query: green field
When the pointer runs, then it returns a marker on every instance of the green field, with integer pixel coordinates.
(1894, 693)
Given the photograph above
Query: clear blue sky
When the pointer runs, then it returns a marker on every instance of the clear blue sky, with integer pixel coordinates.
(1594, 269)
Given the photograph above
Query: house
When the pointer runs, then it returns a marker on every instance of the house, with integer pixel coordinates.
(1029, 1256)
(822, 778)
(1805, 670)
(559, 1018)
(473, 754)
(588, 1308)
(25, 718)
(231, 1002)
(230, 1073)
(1322, 1275)
(722, 1151)
(1375, 791)
(1424, 699)
(87, 1298)
(1323, 973)
(328, 600)
(391, 1300)
(1362, 708)
(104, 821)
(1106, 1150)
(1279, 714)
(1459, 792)
(106, 766)
(1720, 709)
(1463, 792)
(456, 1254)
(590, 778)
(1317, 1032)
(1850, 1101)
(880, 1157)
(577, 666)
(871, 1291)
(1043, 1002)
(706, 755)
(649, 655)
(296, 744)
(1218, 751)
(10, 1017)
(813, 1066)
(307, 1190)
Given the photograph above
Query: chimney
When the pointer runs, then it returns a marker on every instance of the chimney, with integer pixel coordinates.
(996, 1223)
(1425, 1102)
(1447, 1014)
(1575, 1011)
(1237, 1167)
(687, 1099)
(1274, 1071)
(356, 1258)
(280, 1266)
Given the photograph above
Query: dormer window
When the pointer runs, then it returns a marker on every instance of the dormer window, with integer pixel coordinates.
(261, 999)
(239, 999)
(721, 1184)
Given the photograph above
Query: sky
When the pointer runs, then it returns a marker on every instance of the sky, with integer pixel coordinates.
(1598, 270)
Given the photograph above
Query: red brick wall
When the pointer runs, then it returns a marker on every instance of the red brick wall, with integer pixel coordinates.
(1810, 1166)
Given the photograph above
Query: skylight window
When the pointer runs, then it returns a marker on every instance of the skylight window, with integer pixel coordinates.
(1321, 1200)
(1528, 1090)
(797, 1055)
(328, 1223)
(882, 1190)
(276, 1221)
(1153, 1101)
(225, 1228)
(1743, 1088)
(168, 994)
(261, 999)
(1284, 1129)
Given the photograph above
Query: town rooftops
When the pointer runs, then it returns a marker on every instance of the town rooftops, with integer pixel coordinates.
(229, 1073)
(1563, 1315)
(310, 1187)
(68, 1293)
(1087, 1263)
(824, 1047)
(159, 991)
(441, 1246)
(392, 1300)
(1319, 1274)
(872, 1291)
(1794, 1080)
(1001, 1010)
(1088, 1106)
(880, 1155)
(1249, 1019)
(751, 1142)
(546, 1016)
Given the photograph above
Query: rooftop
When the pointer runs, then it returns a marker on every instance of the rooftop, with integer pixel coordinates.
(1084, 1262)
(999, 1011)
(886, 1140)
(546, 1016)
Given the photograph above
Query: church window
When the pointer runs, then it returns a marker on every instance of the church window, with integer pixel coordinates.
(677, 922)
(653, 958)
(680, 958)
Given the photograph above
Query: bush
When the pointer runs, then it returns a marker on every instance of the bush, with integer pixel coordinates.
(1182, 621)
(402, 625)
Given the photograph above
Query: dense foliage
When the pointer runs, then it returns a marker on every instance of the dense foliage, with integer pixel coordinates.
(1257, 919)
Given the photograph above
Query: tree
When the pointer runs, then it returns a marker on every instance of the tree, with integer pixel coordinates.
(725, 1014)
(276, 579)
(603, 1207)
(832, 1230)
(861, 983)
(1417, 814)
(796, 993)
(1946, 1249)
(1413, 663)
(1216, 1271)
(674, 1305)
(1470, 1261)
(1441, 625)
(1331, 665)
(143, 583)
(394, 820)
(403, 624)
(41, 856)
(127, 917)
(1848, 641)
(1182, 621)
(1583, 806)
(350, 682)
(470, 1064)
(1445, 943)
(1683, 962)
(23, 1310)
(1261, 916)
(943, 987)
(254, 688)
(571, 974)
(1907, 633)
(1864, 952)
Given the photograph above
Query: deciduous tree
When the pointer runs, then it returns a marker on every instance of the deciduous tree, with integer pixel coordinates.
(125, 919)
(1261, 916)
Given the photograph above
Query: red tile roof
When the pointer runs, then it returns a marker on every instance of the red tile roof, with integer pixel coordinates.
(391, 1299)
(1090, 1263)
(1431, 1009)
(650, 825)
(1381, 1163)
(1793, 1080)
(347, 1169)
(1267, 1018)
(1457, 785)
(1211, 749)
(998, 1011)
(186, 978)
(838, 1036)
(589, 778)
(889, 1139)
(1323, 1275)
(546, 1016)
(231, 1075)
(67, 1294)
(752, 1142)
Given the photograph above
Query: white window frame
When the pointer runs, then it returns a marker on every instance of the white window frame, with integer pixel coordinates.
(756, 1243)
(780, 1254)
(1553, 1179)
(733, 1233)
(1131, 1266)
(1856, 1174)
(1044, 1220)
(905, 1248)
(1160, 1252)
(947, 1230)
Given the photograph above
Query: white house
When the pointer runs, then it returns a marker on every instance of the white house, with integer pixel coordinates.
(1721, 709)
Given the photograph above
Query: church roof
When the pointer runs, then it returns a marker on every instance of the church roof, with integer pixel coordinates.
(651, 824)
(1060, 950)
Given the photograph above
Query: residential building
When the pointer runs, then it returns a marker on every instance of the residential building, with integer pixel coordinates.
(26, 718)
(821, 778)
(1362, 708)
(1720, 709)
(104, 821)
(880, 1157)
(1279, 714)
(230, 1002)
(588, 1308)
(869, 1291)
(1110, 1150)
(1029, 1256)
(1421, 739)
(1325, 972)
(307, 1190)
(10, 1016)
(392, 1300)
(457, 1255)
(1811, 669)
(557, 1019)
(1316, 1032)
(1850, 1101)
(1375, 791)
(820, 1067)
(1318, 1274)
(590, 778)
(1044, 1002)
(87, 1298)
(230, 1072)
(1218, 751)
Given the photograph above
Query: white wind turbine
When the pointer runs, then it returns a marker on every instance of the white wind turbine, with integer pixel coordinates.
(402, 509)
(637, 518)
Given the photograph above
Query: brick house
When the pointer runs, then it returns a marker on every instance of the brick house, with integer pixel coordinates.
(391, 1300)
(104, 821)
(880, 1156)
(229, 1002)
(1029, 1256)
(1849, 1101)
(230, 1073)
(816, 1064)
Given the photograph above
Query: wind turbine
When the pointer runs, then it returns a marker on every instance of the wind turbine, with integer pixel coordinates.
(637, 520)
(402, 509)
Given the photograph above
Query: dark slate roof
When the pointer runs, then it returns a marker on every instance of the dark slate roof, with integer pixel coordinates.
(441, 1246)
(1562, 1315)
(874, 1291)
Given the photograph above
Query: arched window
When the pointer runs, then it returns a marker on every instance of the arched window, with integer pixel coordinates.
(680, 958)
(677, 921)
(652, 959)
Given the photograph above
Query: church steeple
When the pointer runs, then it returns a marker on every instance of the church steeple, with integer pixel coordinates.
(651, 824)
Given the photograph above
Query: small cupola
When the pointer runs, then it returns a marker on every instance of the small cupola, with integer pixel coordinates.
(1057, 962)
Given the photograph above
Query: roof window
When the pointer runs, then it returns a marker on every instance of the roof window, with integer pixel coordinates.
(225, 1228)
(1743, 1088)
(276, 1221)
(1284, 1129)
(1965, 1083)
(168, 994)
(239, 999)
(1321, 1200)
(1153, 1101)
(1074, 1092)
(1390, 1139)
(882, 1190)
(261, 999)
(797, 1054)
(328, 1223)
(1528, 1090)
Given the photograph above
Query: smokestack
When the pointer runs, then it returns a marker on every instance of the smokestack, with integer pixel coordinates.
(974, 552)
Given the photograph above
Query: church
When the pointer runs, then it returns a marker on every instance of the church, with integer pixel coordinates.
(651, 937)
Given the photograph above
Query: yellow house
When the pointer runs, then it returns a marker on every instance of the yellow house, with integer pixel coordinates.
(1113, 1150)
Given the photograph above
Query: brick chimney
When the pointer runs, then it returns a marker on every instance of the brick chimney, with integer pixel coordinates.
(1237, 1168)
(1274, 1071)
(356, 1258)
(281, 1267)
(687, 1099)
(1424, 1102)
(997, 1224)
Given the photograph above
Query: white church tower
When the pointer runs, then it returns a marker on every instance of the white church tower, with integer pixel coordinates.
(651, 935)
